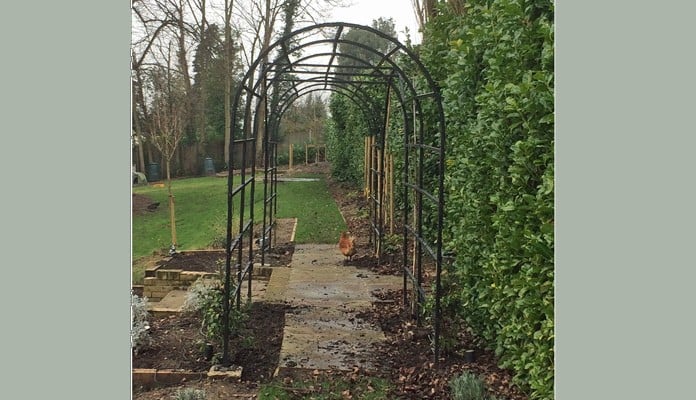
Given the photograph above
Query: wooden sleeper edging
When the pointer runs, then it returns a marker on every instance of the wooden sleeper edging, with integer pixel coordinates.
(147, 377)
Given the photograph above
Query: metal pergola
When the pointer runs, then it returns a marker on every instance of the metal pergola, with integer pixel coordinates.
(300, 67)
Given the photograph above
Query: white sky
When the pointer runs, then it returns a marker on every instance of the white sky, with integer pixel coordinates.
(365, 11)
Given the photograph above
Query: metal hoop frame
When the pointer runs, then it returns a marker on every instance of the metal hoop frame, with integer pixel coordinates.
(262, 103)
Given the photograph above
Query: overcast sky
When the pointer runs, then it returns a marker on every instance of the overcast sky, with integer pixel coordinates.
(365, 11)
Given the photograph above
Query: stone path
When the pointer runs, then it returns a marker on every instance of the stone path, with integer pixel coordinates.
(322, 328)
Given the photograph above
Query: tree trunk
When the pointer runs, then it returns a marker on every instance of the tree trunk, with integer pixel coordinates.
(269, 19)
(181, 53)
(138, 101)
(228, 82)
(201, 148)
(184, 68)
(139, 140)
(172, 212)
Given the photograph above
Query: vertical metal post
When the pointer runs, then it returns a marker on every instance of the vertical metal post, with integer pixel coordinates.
(380, 175)
(440, 227)
(226, 302)
(262, 236)
(419, 216)
(409, 124)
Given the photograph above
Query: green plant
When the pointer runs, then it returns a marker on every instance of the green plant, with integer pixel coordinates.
(247, 342)
(363, 213)
(344, 140)
(327, 387)
(495, 67)
(392, 243)
(190, 394)
(206, 297)
(139, 326)
(468, 386)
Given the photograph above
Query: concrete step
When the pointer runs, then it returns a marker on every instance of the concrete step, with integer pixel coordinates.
(170, 304)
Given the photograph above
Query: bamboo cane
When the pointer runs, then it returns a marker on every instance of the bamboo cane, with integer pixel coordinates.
(172, 218)
(365, 165)
(291, 146)
(380, 195)
(391, 194)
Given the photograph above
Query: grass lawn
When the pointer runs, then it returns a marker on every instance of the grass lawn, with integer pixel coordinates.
(326, 388)
(201, 215)
(318, 218)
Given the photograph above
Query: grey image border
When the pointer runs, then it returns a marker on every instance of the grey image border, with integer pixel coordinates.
(624, 200)
(66, 208)
(624, 192)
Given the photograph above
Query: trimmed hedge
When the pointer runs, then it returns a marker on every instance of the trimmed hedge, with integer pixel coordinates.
(345, 131)
(494, 63)
(495, 66)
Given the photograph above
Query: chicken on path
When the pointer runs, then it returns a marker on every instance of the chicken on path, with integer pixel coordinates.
(347, 245)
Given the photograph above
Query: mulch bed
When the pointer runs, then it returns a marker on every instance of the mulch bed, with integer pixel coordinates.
(403, 358)
(177, 343)
(214, 261)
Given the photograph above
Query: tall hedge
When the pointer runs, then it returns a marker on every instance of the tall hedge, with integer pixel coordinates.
(345, 131)
(494, 63)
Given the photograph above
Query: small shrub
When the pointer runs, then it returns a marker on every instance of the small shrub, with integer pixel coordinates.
(190, 394)
(469, 387)
(139, 326)
(206, 297)
(392, 243)
(283, 158)
(363, 213)
(196, 295)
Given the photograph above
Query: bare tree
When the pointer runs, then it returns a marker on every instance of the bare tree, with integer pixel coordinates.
(202, 96)
(425, 10)
(168, 116)
(229, 6)
(184, 23)
(260, 24)
(148, 25)
(160, 24)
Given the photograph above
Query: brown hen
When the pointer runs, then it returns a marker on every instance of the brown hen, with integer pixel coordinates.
(347, 245)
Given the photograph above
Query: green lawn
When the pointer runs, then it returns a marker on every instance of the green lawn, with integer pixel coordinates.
(201, 214)
(318, 218)
(326, 388)
(201, 211)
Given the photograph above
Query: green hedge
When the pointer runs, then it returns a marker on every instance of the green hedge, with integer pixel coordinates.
(345, 133)
(495, 66)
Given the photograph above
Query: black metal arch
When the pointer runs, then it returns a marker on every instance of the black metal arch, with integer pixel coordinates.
(264, 95)
(281, 75)
(353, 95)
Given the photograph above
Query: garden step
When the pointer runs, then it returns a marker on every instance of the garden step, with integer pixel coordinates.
(170, 304)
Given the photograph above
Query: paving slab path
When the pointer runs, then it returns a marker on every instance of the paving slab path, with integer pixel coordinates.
(323, 329)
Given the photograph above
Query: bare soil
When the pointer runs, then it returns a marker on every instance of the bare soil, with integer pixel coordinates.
(404, 358)
(143, 204)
